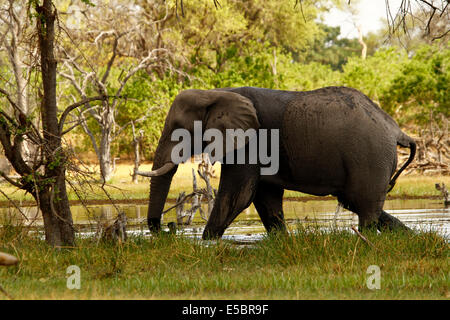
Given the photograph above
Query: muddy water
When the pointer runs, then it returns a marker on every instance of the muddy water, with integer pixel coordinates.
(418, 214)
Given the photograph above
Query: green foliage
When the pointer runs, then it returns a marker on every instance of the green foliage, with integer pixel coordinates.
(303, 77)
(330, 50)
(148, 96)
(252, 66)
(207, 34)
(271, 44)
(407, 88)
(421, 87)
(282, 23)
(88, 2)
(374, 75)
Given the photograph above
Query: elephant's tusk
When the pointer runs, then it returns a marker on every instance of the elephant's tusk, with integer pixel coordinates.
(158, 172)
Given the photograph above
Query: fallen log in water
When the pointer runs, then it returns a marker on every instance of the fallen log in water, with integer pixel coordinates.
(208, 194)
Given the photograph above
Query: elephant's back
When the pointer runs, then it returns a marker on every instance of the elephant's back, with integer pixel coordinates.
(327, 111)
(325, 131)
(270, 104)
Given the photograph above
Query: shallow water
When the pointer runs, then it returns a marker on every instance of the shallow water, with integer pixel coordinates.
(417, 214)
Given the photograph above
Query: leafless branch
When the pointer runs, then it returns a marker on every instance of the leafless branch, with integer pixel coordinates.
(363, 238)
(12, 201)
(76, 105)
(429, 11)
(11, 181)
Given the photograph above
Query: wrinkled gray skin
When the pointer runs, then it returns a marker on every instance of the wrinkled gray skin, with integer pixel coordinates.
(333, 140)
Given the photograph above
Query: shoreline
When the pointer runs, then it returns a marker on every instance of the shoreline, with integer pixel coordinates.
(29, 203)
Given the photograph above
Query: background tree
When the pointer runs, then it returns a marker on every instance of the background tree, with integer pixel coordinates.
(106, 52)
(420, 90)
(331, 50)
(117, 60)
(44, 176)
(19, 60)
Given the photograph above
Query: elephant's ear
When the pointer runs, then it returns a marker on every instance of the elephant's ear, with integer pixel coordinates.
(231, 111)
(223, 109)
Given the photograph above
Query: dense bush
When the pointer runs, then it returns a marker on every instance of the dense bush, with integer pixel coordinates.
(421, 88)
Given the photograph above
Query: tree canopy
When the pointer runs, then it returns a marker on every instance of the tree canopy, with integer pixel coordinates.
(168, 46)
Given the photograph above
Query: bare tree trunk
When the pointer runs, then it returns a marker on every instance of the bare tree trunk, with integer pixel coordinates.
(137, 162)
(58, 225)
(137, 157)
(11, 44)
(52, 199)
(105, 160)
(362, 43)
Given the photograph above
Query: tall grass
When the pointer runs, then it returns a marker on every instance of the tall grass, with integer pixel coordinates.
(308, 263)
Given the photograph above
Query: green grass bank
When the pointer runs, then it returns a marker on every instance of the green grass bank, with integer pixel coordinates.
(309, 264)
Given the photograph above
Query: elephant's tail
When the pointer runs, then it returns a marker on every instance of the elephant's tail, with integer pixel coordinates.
(406, 142)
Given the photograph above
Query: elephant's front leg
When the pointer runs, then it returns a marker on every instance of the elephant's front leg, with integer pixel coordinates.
(237, 188)
(269, 204)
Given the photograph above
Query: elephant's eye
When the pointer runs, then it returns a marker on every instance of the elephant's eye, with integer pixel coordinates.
(177, 124)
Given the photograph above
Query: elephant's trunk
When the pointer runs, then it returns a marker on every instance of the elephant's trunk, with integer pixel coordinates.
(159, 188)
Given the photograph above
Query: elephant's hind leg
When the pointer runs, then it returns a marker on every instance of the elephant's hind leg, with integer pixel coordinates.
(368, 213)
(268, 202)
(365, 196)
(371, 214)
(388, 222)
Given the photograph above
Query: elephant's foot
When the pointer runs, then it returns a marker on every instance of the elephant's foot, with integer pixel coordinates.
(371, 228)
(211, 233)
(277, 227)
(389, 222)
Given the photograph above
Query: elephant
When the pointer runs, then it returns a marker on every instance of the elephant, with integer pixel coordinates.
(332, 141)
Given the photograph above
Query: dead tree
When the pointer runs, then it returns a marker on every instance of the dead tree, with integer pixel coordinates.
(208, 194)
(206, 167)
(206, 172)
(443, 189)
(115, 231)
(185, 217)
(14, 33)
(431, 16)
(137, 140)
(433, 150)
(118, 28)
